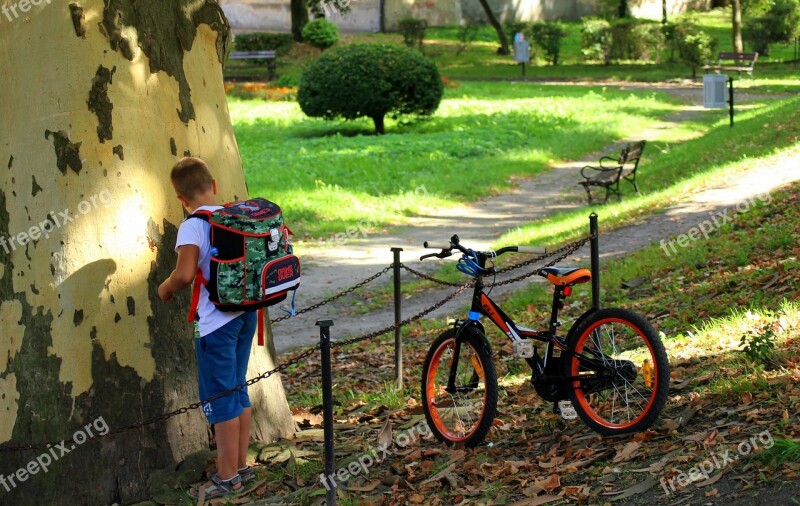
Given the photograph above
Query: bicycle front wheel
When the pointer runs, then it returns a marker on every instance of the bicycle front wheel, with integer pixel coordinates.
(464, 413)
(623, 372)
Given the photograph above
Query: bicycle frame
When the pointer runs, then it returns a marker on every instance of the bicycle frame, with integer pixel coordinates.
(482, 304)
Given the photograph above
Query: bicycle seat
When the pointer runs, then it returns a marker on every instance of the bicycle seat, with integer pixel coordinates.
(566, 276)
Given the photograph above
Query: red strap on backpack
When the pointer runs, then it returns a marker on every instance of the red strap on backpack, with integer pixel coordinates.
(199, 281)
(260, 317)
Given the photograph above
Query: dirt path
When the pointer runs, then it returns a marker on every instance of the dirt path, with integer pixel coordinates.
(327, 271)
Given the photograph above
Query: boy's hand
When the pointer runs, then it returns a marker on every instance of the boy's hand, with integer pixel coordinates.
(183, 275)
(164, 291)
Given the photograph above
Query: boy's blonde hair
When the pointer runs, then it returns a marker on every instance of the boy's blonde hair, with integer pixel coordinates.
(190, 177)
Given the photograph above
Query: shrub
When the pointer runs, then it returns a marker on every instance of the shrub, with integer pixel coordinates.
(413, 31)
(370, 80)
(262, 41)
(321, 33)
(548, 36)
(622, 39)
(467, 33)
(596, 40)
(695, 47)
(780, 24)
(516, 27)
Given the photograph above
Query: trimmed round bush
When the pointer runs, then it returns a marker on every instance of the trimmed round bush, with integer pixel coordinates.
(370, 80)
(321, 33)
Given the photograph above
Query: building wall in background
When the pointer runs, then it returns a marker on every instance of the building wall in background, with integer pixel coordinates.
(274, 15)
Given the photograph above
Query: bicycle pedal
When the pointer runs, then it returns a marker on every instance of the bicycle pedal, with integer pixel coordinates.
(523, 349)
(567, 410)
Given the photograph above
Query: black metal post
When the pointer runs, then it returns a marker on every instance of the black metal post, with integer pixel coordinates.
(594, 246)
(398, 341)
(730, 98)
(327, 408)
(523, 70)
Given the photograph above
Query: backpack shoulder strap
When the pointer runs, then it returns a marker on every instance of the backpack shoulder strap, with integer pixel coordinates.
(198, 278)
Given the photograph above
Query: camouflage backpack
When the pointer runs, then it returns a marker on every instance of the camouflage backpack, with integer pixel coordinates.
(252, 265)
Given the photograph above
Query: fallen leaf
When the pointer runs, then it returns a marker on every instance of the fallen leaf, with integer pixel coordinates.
(369, 487)
(635, 489)
(711, 480)
(627, 452)
(551, 483)
(385, 435)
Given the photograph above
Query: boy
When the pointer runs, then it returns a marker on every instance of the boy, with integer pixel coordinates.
(223, 344)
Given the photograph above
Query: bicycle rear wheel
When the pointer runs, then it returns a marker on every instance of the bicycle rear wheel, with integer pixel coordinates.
(625, 372)
(464, 414)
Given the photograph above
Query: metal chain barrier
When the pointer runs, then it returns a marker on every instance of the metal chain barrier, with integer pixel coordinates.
(429, 278)
(562, 253)
(282, 367)
(165, 416)
(334, 297)
(408, 320)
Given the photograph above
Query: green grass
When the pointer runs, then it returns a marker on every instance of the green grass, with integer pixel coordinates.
(671, 171)
(335, 177)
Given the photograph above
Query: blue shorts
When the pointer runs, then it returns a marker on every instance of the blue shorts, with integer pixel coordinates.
(222, 358)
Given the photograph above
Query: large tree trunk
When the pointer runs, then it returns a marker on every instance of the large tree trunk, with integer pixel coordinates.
(501, 34)
(98, 102)
(736, 9)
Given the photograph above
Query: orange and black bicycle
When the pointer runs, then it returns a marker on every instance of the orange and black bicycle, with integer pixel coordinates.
(611, 365)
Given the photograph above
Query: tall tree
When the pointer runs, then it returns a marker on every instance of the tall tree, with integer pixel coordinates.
(99, 98)
(299, 11)
(501, 34)
(736, 23)
(623, 11)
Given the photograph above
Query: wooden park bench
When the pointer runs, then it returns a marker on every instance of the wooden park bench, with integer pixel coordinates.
(610, 171)
(738, 62)
(268, 56)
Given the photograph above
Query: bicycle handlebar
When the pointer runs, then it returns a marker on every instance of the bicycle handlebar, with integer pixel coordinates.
(532, 250)
(455, 243)
(431, 245)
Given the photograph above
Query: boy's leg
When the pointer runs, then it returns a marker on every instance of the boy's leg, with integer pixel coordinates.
(243, 346)
(227, 436)
(218, 355)
(244, 437)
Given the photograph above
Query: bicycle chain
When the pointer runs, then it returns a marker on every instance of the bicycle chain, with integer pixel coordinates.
(334, 297)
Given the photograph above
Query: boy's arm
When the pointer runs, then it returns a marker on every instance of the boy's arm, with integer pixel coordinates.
(184, 272)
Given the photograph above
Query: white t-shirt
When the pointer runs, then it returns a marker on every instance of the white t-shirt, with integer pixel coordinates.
(196, 231)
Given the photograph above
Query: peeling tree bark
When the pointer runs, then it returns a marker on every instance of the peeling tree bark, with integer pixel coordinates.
(97, 99)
